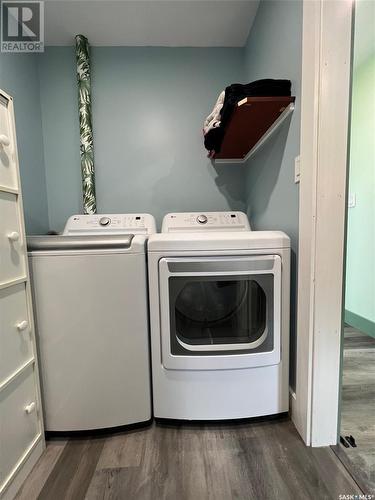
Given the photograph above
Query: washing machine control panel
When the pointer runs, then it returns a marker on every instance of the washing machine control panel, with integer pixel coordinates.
(110, 224)
(207, 221)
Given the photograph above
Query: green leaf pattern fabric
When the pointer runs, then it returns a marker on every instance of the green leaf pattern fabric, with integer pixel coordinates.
(85, 124)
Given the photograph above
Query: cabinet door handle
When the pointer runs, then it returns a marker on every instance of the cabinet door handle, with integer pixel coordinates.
(4, 140)
(14, 236)
(22, 325)
(30, 408)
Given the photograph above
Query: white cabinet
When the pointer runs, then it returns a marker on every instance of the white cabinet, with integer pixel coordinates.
(16, 334)
(12, 246)
(19, 419)
(21, 426)
(8, 167)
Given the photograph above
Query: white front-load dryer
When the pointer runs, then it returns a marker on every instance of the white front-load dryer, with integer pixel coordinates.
(219, 311)
(91, 310)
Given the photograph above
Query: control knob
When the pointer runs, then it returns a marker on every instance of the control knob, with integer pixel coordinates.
(202, 219)
(104, 221)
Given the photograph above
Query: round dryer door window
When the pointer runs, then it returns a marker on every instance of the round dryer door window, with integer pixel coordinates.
(219, 313)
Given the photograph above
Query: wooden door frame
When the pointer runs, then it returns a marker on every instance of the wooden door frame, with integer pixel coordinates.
(325, 104)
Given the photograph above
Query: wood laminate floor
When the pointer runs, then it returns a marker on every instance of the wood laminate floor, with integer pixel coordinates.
(358, 407)
(257, 460)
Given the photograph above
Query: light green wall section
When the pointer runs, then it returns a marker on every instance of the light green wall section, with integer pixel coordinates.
(19, 78)
(361, 323)
(148, 106)
(60, 124)
(360, 267)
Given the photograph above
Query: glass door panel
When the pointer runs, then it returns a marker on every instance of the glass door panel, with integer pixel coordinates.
(220, 312)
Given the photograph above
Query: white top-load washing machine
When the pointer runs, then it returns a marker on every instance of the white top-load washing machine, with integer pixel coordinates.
(91, 308)
(219, 310)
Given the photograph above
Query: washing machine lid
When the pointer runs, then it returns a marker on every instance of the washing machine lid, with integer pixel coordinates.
(193, 222)
(62, 243)
(109, 224)
(95, 244)
(219, 241)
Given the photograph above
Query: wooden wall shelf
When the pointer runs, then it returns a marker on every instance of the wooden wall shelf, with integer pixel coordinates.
(253, 121)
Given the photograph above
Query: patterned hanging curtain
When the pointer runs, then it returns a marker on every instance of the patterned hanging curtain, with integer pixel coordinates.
(85, 124)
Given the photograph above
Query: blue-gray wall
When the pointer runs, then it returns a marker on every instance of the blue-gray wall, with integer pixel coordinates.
(274, 50)
(59, 106)
(148, 108)
(19, 78)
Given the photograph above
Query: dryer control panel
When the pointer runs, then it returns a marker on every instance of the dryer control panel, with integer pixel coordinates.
(205, 221)
(78, 225)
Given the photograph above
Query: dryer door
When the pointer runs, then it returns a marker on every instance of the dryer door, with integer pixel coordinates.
(220, 312)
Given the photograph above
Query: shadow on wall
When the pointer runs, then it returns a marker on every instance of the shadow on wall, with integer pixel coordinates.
(264, 169)
(230, 181)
